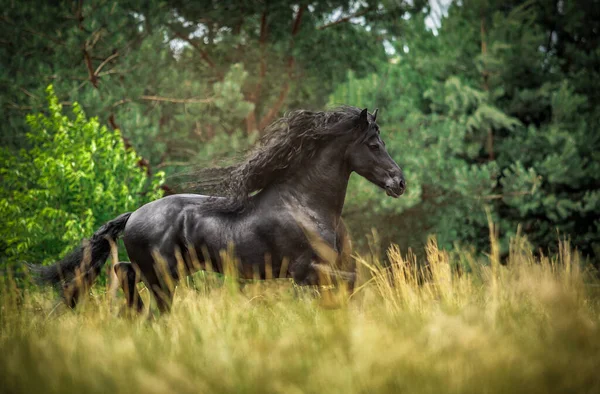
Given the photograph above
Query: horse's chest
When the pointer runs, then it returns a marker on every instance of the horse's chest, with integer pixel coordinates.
(315, 228)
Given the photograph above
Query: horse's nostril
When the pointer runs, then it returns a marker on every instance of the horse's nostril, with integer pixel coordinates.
(402, 183)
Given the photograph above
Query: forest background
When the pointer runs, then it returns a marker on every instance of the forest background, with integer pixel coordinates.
(486, 105)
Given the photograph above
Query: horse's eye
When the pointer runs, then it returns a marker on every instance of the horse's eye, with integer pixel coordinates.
(374, 147)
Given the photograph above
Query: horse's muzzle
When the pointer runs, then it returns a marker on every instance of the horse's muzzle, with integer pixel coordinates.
(395, 186)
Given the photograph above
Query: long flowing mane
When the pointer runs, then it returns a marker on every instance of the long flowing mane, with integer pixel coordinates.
(286, 144)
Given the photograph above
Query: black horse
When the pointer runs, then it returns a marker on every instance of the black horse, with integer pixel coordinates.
(292, 185)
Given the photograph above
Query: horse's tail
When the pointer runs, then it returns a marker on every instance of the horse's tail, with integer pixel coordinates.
(76, 273)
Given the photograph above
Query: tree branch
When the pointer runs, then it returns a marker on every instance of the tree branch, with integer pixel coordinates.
(79, 15)
(268, 118)
(108, 59)
(115, 71)
(483, 33)
(344, 19)
(177, 100)
(254, 95)
(120, 102)
(202, 52)
(501, 196)
(485, 75)
(27, 92)
(93, 77)
(297, 21)
(90, 68)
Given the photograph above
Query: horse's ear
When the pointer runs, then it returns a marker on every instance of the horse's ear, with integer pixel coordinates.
(375, 114)
(362, 119)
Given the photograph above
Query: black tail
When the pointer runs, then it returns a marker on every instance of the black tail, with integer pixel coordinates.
(76, 273)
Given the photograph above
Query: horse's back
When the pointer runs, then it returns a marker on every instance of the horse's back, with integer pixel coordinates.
(156, 222)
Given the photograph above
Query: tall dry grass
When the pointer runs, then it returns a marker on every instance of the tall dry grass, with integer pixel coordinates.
(457, 323)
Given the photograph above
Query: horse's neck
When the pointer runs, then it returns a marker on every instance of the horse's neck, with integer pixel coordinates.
(320, 186)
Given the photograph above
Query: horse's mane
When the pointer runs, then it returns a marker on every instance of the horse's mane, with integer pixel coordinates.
(286, 144)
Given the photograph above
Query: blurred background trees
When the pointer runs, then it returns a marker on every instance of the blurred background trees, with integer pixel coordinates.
(496, 108)
(483, 103)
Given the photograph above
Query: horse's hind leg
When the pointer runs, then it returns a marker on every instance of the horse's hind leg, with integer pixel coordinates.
(156, 273)
(163, 297)
(129, 276)
(161, 284)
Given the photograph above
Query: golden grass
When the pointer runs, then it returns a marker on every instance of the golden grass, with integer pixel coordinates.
(531, 326)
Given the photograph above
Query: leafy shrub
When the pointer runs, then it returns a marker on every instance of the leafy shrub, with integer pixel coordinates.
(75, 176)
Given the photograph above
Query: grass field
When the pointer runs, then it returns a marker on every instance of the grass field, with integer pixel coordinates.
(530, 326)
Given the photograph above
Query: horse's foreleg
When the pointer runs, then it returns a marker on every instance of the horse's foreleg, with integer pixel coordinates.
(335, 275)
(129, 276)
(302, 272)
(326, 269)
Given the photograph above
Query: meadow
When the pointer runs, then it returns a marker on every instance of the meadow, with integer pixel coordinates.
(457, 322)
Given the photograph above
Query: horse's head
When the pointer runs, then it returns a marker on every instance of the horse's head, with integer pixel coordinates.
(368, 157)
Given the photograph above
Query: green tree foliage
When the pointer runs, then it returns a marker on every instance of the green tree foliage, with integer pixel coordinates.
(76, 176)
(493, 110)
(171, 75)
(498, 107)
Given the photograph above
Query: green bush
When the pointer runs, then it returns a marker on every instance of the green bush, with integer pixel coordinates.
(75, 176)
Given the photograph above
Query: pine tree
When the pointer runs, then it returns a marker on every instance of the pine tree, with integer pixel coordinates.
(494, 111)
